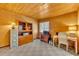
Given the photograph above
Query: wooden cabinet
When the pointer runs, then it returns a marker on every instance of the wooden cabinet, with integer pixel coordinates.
(25, 33)
(25, 39)
(45, 38)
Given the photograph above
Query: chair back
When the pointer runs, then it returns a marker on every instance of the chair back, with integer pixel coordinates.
(62, 37)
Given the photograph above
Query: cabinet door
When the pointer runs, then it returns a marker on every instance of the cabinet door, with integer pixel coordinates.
(14, 37)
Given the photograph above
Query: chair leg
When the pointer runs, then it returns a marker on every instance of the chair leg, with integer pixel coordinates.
(59, 45)
(53, 42)
(66, 47)
(76, 47)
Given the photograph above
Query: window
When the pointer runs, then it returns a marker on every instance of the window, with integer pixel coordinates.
(44, 26)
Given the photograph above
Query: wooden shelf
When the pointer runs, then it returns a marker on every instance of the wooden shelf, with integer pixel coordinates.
(26, 31)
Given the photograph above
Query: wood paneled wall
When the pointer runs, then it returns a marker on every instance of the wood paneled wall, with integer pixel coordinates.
(62, 22)
(6, 23)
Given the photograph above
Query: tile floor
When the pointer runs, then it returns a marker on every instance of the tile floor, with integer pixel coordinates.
(35, 48)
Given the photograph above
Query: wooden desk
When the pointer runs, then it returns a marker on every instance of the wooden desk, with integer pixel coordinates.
(74, 39)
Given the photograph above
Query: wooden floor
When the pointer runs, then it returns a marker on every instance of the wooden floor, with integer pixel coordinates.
(35, 48)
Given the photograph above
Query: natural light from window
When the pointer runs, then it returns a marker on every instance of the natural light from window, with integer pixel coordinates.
(44, 26)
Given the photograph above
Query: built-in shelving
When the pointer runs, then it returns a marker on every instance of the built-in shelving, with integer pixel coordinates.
(25, 32)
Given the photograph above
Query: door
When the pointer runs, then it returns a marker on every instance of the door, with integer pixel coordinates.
(14, 37)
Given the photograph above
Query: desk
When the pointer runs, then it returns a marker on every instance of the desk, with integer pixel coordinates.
(74, 39)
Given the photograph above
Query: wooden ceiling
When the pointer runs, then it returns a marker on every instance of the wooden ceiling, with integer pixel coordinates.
(39, 10)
